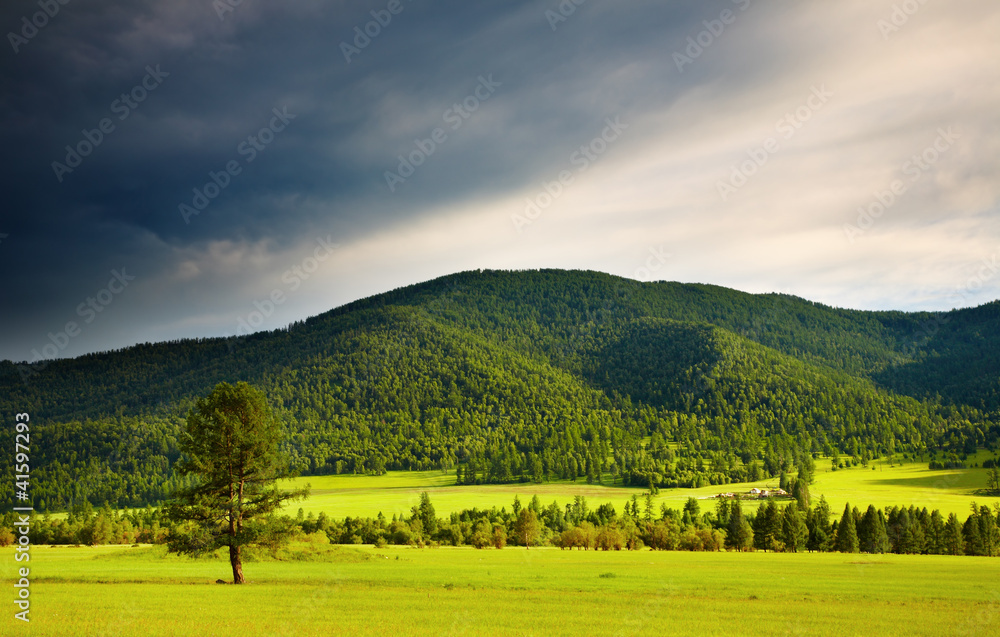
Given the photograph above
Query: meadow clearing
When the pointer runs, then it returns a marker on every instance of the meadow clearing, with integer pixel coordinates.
(881, 484)
(124, 591)
(319, 589)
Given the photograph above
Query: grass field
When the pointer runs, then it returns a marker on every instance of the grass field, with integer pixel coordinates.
(394, 493)
(461, 591)
(324, 590)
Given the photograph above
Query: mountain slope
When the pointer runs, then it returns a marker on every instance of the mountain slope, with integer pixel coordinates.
(534, 375)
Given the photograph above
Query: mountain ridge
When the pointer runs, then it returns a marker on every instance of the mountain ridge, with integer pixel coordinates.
(534, 375)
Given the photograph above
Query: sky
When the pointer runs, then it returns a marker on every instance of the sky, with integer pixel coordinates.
(200, 168)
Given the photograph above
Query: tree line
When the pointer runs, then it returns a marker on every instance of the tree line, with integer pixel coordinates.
(791, 527)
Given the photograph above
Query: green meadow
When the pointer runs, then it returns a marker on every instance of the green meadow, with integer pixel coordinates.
(126, 591)
(880, 483)
(318, 589)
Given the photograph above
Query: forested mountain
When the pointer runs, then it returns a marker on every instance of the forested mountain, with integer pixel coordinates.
(532, 376)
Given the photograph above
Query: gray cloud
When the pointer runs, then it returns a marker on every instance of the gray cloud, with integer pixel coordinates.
(323, 174)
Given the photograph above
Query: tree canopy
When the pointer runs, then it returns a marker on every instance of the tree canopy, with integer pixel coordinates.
(231, 446)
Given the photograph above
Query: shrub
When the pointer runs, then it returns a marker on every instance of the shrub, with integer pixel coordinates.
(609, 537)
(499, 536)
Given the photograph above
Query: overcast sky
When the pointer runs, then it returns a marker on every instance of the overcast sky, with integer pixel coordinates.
(846, 152)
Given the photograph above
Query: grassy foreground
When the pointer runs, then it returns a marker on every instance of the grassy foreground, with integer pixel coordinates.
(461, 591)
(884, 486)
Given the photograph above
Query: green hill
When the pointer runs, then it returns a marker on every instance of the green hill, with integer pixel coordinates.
(531, 376)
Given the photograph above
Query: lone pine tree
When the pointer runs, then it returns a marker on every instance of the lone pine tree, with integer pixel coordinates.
(231, 444)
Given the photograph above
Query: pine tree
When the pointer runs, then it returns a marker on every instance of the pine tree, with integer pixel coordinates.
(881, 539)
(865, 530)
(692, 508)
(425, 511)
(772, 526)
(232, 444)
(819, 526)
(767, 527)
(536, 505)
(989, 534)
(794, 532)
(847, 534)
(800, 491)
(819, 538)
(722, 513)
(806, 468)
(952, 541)
(935, 534)
(872, 537)
(739, 535)
(759, 528)
(971, 535)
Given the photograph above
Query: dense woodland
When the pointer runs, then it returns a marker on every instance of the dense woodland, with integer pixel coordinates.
(795, 526)
(533, 376)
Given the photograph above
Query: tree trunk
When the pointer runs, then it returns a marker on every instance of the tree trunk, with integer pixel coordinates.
(237, 562)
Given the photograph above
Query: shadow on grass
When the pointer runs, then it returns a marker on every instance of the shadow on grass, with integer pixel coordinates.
(943, 480)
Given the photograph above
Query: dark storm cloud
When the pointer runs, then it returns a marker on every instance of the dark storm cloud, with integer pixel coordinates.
(187, 84)
(224, 78)
(208, 83)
